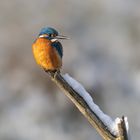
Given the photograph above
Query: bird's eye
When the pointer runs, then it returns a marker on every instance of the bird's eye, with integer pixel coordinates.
(54, 35)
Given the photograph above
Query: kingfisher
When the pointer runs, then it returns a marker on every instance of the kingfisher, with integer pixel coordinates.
(47, 49)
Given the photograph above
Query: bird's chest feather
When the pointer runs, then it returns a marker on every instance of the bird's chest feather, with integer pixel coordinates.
(45, 54)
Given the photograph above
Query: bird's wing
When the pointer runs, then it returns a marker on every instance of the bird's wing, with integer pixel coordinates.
(57, 45)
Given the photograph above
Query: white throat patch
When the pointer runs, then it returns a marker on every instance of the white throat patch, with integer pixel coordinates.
(54, 39)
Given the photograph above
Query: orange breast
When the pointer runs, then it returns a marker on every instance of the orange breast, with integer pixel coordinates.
(46, 55)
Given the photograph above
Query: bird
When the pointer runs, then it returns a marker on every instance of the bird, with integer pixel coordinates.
(47, 49)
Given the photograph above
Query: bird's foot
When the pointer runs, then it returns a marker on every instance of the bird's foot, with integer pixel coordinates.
(52, 73)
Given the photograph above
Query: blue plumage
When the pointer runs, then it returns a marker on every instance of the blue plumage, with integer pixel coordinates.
(48, 30)
(57, 45)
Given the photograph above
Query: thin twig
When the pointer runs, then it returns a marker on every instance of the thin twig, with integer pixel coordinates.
(122, 130)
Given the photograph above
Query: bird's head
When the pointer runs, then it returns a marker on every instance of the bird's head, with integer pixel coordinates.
(51, 34)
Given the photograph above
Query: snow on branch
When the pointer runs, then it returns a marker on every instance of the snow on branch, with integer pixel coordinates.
(108, 122)
(109, 129)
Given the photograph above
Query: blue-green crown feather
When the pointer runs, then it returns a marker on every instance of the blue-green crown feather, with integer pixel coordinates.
(48, 30)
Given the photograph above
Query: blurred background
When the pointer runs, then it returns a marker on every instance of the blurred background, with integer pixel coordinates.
(103, 54)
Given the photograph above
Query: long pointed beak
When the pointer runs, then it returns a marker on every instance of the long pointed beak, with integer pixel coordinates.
(61, 37)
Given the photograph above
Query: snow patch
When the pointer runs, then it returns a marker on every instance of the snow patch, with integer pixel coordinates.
(126, 124)
(107, 120)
